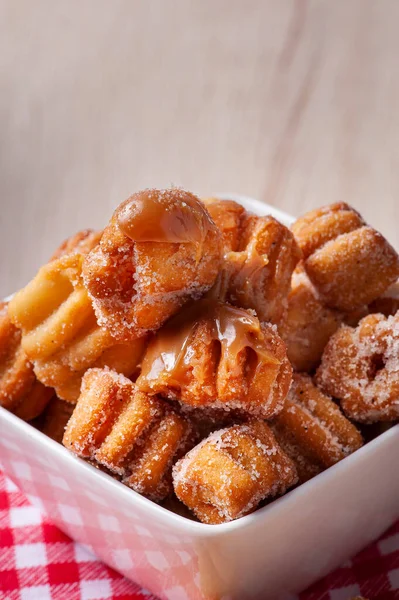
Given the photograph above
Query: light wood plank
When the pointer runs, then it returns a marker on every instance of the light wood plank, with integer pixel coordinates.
(294, 102)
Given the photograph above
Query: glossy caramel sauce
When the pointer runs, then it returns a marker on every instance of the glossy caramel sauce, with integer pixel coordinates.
(173, 216)
(234, 328)
(246, 266)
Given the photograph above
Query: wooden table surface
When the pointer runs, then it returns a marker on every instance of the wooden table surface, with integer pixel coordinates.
(294, 102)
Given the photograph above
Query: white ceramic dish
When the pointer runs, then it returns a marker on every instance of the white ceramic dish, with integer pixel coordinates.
(271, 554)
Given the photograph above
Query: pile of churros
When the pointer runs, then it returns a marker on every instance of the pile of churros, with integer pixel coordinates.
(205, 356)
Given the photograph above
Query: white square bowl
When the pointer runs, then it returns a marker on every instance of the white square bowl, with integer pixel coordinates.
(272, 554)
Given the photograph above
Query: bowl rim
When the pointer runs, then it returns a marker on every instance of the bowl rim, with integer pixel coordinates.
(167, 516)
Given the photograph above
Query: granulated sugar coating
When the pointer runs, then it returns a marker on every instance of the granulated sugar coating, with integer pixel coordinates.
(229, 473)
(360, 367)
(314, 424)
(307, 324)
(80, 243)
(306, 466)
(160, 249)
(319, 226)
(134, 436)
(213, 355)
(260, 255)
(349, 263)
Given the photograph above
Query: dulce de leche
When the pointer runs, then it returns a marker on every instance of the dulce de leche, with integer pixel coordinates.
(220, 356)
(171, 215)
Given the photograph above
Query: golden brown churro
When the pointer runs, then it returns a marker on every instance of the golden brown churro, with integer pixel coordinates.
(135, 436)
(60, 334)
(228, 474)
(307, 324)
(360, 367)
(260, 256)
(20, 392)
(80, 243)
(213, 355)
(160, 249)
(315, 427)
(349, 263)
(55, 417)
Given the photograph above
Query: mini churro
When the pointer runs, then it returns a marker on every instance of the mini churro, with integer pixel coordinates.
(307, 324)
(20, 392)
(60, 334)
(229, 473)
(360, 367)
(316, 428)
(260, 255)
(55, 417)
(160, 249)
(349, 263)
(135, 436)
(213, 355)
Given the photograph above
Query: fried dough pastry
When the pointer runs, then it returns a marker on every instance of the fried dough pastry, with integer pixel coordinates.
(312, 429)
(260, 255)
(349, 263)
(160, 249)
(213, 355)
(80, 243)
(229, 473)
(307, 324)
(60, 334)
(352, 318)
(20, 392)
(35, 401)
(206, 420)
(388, 303)
(306, 467)
(135, 436)
(229, 217)
(360, 367)
(55, 417)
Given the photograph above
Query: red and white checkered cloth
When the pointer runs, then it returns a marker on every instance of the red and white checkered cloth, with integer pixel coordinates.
(38, 562)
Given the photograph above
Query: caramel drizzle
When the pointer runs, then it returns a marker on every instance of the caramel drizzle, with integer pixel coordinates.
(246, 267)
(234, 328)
(172, 216)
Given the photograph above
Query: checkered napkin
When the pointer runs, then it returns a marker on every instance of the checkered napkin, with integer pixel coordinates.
(38, 562)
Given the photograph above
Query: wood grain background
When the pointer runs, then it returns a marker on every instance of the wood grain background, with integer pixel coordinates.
(291, 101)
